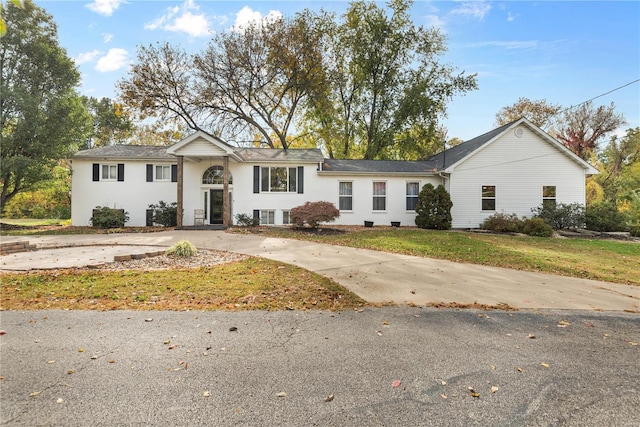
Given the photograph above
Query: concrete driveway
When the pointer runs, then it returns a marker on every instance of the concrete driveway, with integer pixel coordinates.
(375, 276)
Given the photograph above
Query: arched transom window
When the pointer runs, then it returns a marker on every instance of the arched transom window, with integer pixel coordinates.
(213, 175)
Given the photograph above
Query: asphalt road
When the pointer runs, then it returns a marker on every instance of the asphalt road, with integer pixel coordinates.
(391, 366)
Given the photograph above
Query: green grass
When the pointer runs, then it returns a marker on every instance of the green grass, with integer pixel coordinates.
(29, 222)
(252, 284)
(606, 260)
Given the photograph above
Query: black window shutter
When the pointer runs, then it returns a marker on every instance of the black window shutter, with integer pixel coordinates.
(149, 173)
(96, 172)
(256, 179)
(300, 179)
(174, 173)
(120, 171)
(149, 217)
(256, 213)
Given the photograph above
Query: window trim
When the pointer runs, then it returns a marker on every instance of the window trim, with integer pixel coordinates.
(287, 220)
(382, 197)
(488, 198)
(271, 215)
(345, 196)
(292, 183)
(547, 199)
(163, 178)
(109, 167)
(412, 196)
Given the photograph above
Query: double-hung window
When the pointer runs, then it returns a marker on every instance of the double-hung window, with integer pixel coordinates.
(379, 196)
(488, 197)
(549, 196)
(345, 195)
(413, 189)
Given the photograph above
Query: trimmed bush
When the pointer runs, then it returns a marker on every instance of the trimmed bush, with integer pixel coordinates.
(536, 227)
(434, 208)
(605, 217)
(561, 216)
(510, 223)
(183, 248)
(244, 220)
(165, 214)
(104, 217)
(313, 213)
(502, 223)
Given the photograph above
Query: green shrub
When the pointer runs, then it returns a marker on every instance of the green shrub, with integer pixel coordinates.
(605, 216)
(536, 227)
(313, 213)
(245, 220)
(433, 208)
(165, 213)
(562, 215)
(183, 248)
(104, 217)
(502, 223)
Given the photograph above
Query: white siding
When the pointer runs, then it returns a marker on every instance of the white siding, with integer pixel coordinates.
(519, 167)
(200, 147)
(134, 194)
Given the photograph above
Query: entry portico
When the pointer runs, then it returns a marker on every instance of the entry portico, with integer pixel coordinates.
(209, 150)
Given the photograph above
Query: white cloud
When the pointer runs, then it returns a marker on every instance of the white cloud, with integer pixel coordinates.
(510, 17)
(181, 19)
(476, 9)
(114, 60)
(104, 7)
(107, 37)
(434, 21)
(247, 16)
(86, 57)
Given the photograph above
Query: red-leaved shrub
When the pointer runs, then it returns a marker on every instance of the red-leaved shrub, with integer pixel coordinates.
(313, 213)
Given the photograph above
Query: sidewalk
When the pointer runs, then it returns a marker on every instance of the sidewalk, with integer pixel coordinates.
(377, 277)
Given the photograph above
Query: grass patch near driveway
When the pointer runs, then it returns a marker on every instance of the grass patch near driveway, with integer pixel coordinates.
(252, 284)
(606, 260)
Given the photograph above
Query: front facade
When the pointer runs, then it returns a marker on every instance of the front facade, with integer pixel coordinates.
(511, 169)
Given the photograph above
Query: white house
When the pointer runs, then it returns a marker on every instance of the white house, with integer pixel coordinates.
(511, 169)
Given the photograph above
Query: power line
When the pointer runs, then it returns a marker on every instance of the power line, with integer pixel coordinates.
(599, 96)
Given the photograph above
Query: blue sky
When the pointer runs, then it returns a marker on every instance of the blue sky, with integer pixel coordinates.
(564, 52)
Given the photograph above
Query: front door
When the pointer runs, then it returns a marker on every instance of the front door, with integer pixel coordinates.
(215, 207)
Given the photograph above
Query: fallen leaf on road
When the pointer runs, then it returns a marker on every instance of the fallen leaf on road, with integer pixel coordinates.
(494, 389)
(171, 347)
(281, 394)
(396, 383)
(328, 398)
(148, 320)
(70, 371)
(443, 382)
(233, 329)
(385, 322)
(588, 324)
(444, 396)
(531, 336)
(166, 342)
(206, 393)
(519, 369)
(379, 333)
(632, 343)
(563, 324)
(59, 400)
(3, 332)
(546, 365)
(111, 361)
(35, 393)
(81, 350)
(51, 362)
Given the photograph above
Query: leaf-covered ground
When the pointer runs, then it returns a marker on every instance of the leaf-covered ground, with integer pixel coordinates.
(252, 284)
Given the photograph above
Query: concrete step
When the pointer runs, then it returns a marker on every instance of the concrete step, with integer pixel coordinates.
(7, 248)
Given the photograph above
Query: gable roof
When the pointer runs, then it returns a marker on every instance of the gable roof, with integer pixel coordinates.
(312, 155)
(215, 144)
(372, 167)
(126, 152)
(450, 158)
